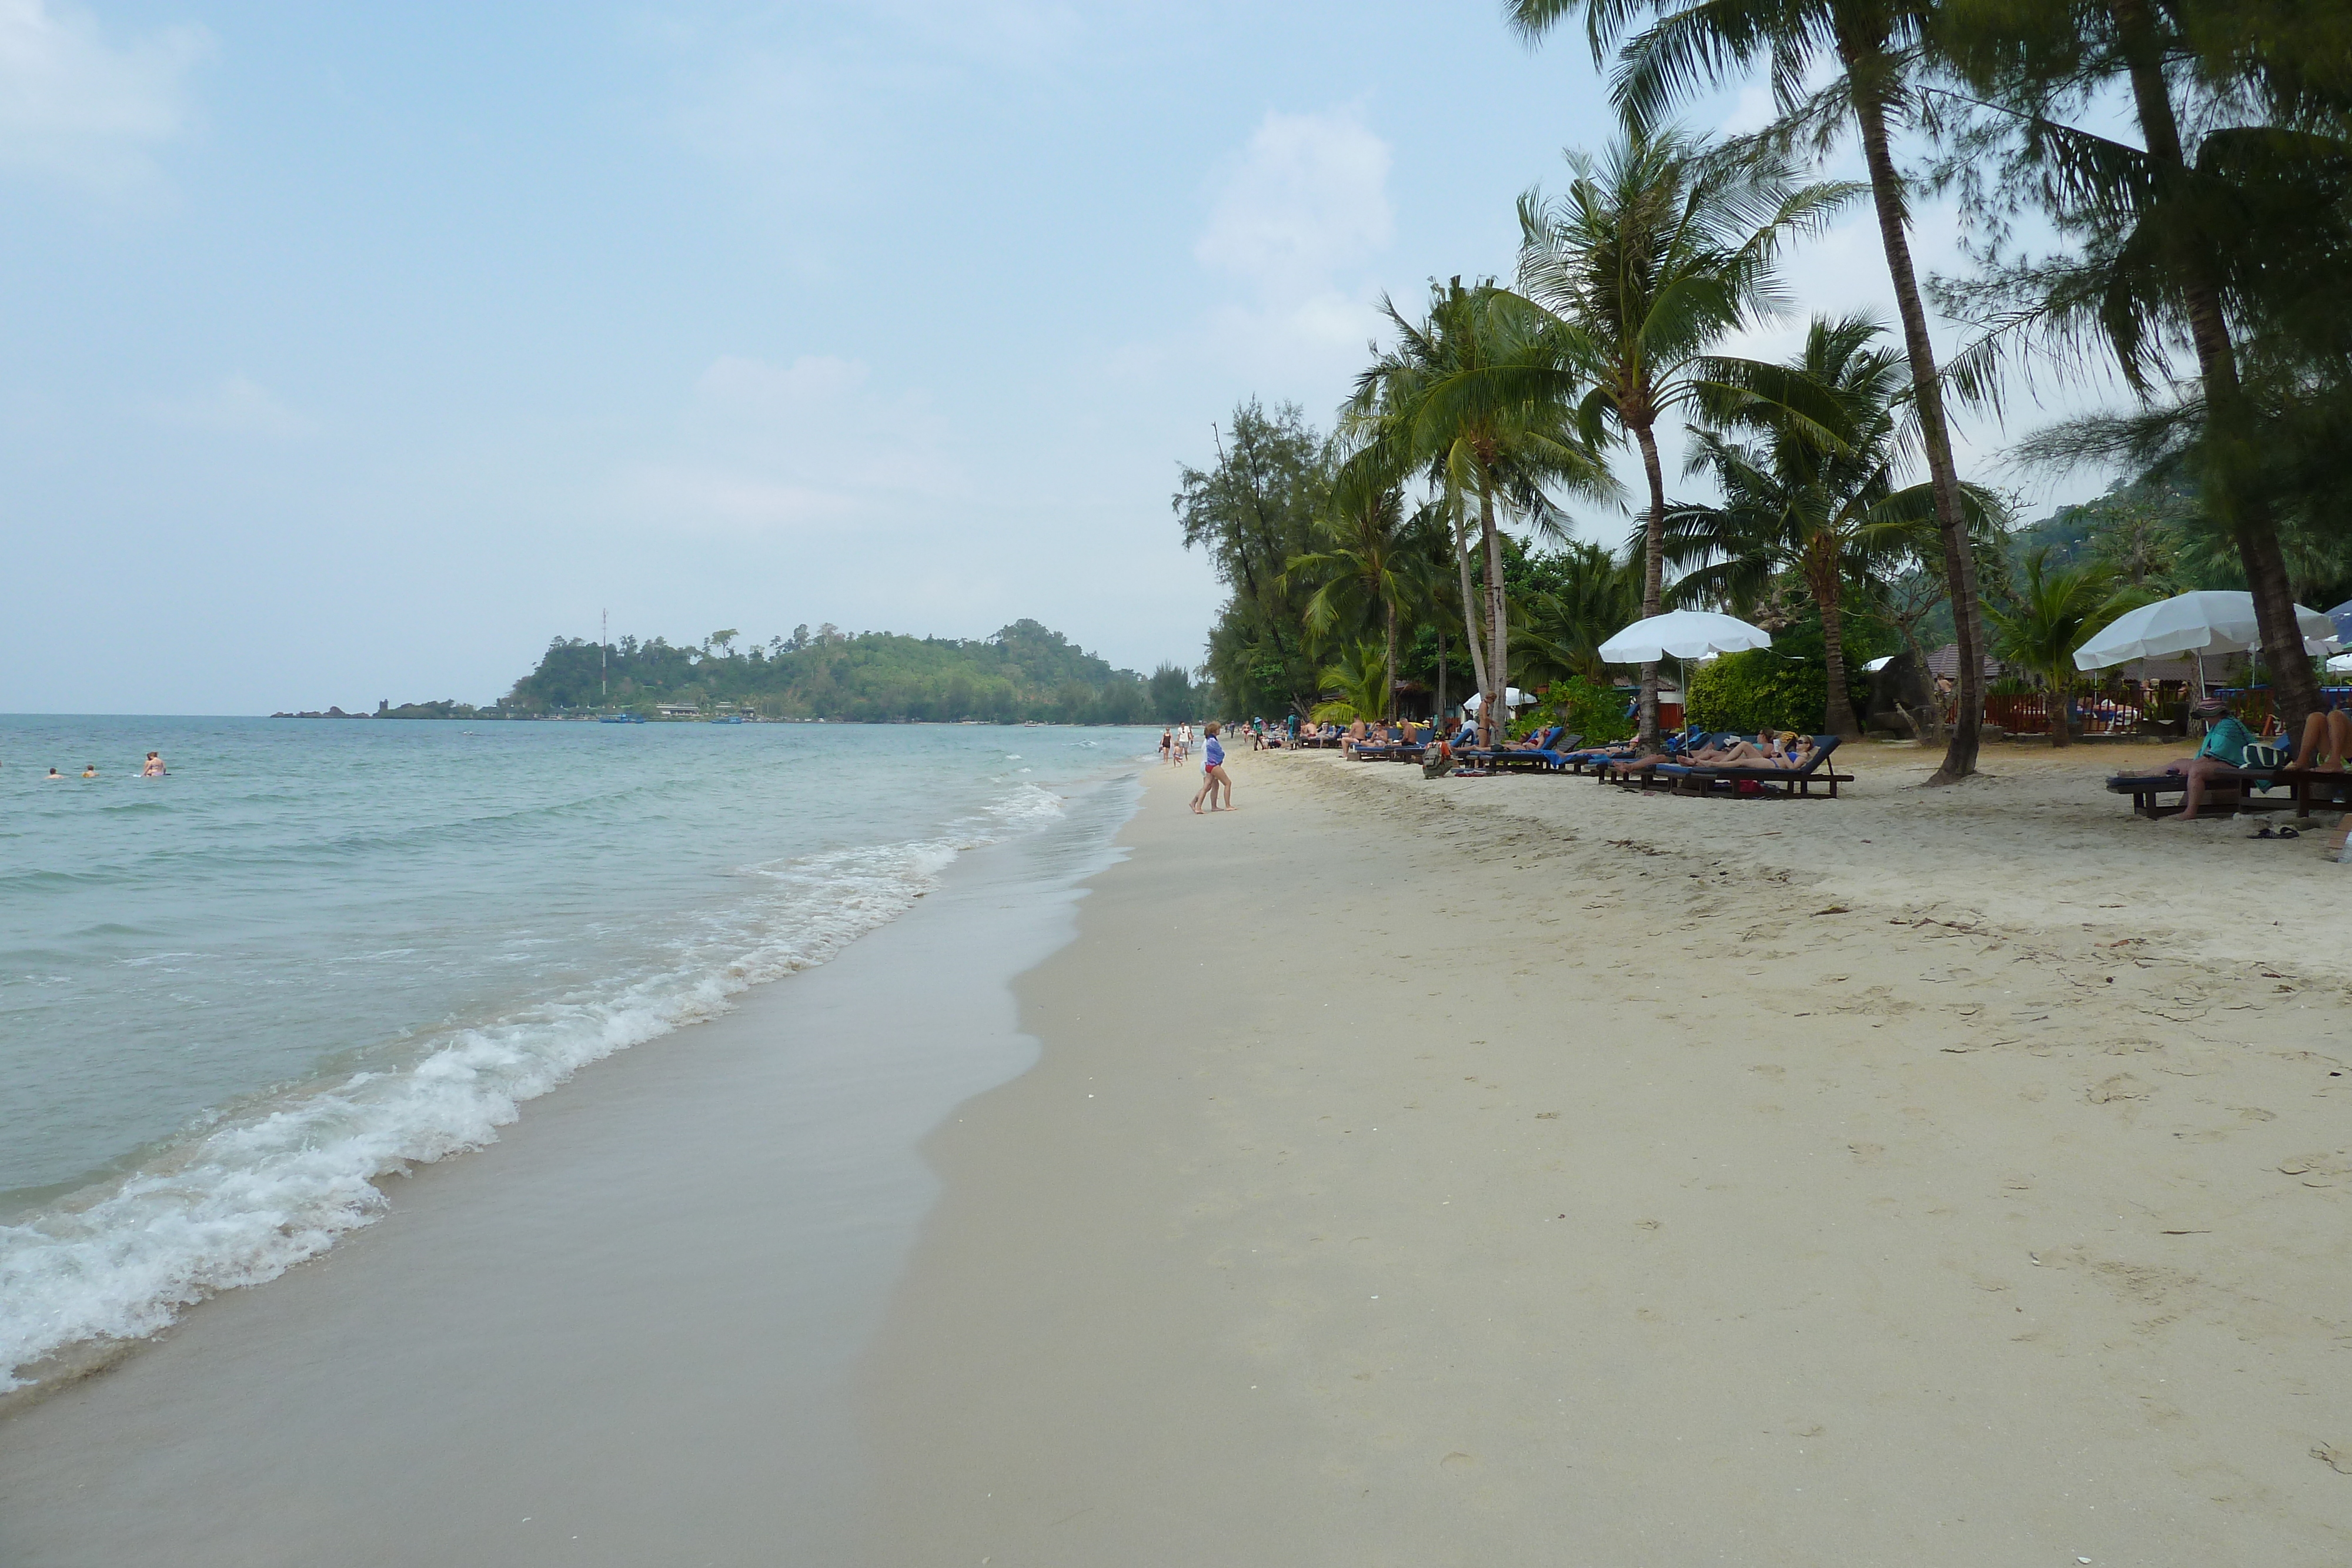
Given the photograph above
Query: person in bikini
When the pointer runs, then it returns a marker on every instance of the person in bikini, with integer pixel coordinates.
(2327, 733)
(1212, 773)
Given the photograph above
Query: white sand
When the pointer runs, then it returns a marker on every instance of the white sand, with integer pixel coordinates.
(1512, 1171)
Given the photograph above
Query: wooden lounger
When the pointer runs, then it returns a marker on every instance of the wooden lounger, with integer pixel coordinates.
(2304, 787)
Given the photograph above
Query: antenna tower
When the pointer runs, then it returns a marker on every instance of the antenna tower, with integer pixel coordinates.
(604, 658)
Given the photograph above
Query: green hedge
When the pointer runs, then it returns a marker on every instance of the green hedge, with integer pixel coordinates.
(1758, 690)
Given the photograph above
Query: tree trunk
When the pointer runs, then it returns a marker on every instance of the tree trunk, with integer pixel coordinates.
(1493, 712)
(1653, 580)
(1439, 717)
(2060, 707)
(1863, 60)
(2228, 438)
(1389, 664)
(1828, 585)
(1472, 624)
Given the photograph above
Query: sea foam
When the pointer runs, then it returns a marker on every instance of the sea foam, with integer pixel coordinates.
(275, 1180)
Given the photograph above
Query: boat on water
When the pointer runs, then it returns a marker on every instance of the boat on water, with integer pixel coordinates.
(621, 718)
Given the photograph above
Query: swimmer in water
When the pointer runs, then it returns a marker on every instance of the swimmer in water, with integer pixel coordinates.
(90, 771)
(55, 778)
(154, 768)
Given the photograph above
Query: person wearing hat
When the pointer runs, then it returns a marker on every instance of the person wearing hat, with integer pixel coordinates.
(2223, 756)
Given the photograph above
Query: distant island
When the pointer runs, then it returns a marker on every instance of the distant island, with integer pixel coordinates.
(1025, 673)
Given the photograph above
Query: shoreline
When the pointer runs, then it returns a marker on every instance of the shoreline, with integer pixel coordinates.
(1689, 1180)
(630, 1320)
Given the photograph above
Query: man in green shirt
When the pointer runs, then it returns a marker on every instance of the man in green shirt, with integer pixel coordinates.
(2221, 759)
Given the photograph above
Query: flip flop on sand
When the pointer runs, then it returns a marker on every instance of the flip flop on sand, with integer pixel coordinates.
(2262, 832)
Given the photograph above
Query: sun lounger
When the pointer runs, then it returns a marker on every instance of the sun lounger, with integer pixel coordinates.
(1536, 755)
(1550, 758)
(2304, 788)
(1794, 783)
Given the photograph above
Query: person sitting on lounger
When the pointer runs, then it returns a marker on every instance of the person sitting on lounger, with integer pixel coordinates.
(2327, 733)
(2220, 761)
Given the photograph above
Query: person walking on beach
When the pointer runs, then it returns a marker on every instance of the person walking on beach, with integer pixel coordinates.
(1167, 746)
(154, 768)
(1212, 772)
(1183, 741)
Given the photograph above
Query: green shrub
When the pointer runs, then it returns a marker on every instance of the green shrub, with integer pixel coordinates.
(1758, 690)
(1597, 713)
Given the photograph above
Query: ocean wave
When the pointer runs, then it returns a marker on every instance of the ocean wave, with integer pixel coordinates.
(264, 1184)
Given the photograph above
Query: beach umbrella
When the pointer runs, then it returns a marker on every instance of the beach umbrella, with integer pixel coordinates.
(2340, 663)
(2207, 622)
(1512, 697)
(1683, 634)
(1879, 663)
(2341, 619)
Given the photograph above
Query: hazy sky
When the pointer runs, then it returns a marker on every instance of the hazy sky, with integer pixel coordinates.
(355, 351)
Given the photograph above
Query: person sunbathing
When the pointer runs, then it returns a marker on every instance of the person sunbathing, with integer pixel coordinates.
(2327, 733)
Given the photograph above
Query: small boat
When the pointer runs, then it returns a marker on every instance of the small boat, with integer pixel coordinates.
(621, 718)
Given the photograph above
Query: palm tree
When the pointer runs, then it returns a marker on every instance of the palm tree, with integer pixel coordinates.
(1371, 566)
(1594, 594)
(1656, 251)
(1873, 49)
(1479, 398)
(2054, 612)
(1824, 510)
(2224, 232)
(1360, 677)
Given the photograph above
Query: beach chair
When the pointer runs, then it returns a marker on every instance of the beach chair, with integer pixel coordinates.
(1495, 757)
(2161, 794)
(1793, 784)
(1550, 758)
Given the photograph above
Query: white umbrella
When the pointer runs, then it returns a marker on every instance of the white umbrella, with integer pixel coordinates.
(1879, 663)
(2341, 663)
(1682, 634)
(1512, 697)
(2208, 622)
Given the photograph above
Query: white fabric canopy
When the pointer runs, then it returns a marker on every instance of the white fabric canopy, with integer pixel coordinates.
(1512, 697)
(1879, 663)
(2207, 622)
(1683, 634)
(2341, 663)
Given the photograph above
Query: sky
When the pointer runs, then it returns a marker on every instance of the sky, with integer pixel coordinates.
(353, 353)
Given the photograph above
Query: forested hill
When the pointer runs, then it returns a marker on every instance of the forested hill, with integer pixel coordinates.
(1024, 672)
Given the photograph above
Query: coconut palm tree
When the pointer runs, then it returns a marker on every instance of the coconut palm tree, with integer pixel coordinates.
(1870, 51)
(1593, 593)
(1372, 568)
(1824, 510)
(1479, 398)
(1360, 677)
(1654, 254)
(2225, 226)
(2055, 610)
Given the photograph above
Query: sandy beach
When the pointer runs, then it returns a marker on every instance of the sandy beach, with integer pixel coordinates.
(1412, 1172)
(1513, 1170)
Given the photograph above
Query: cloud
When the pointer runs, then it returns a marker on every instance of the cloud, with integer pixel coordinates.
(1297, 220)
(763, 447)
(237, 406)
(77, 108)
(1308, 198)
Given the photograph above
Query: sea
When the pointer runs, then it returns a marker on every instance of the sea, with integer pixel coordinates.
(317, 953)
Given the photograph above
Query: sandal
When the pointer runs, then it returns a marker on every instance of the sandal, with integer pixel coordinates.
(2262, 832)
(2290, 833)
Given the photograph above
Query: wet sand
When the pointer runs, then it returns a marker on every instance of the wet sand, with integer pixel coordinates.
(622, 1335)
(1500, 1171)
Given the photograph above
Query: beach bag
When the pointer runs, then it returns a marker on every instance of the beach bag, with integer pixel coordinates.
(1749, 786)
(2262, 754)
